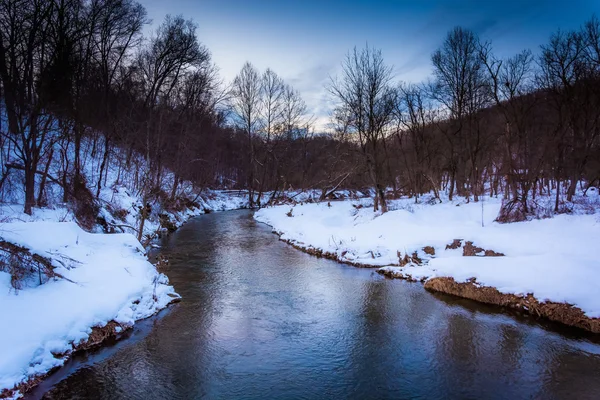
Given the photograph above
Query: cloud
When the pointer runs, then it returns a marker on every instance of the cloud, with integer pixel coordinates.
(306, 42)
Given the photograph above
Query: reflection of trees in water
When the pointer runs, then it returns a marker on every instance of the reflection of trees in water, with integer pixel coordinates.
(161, 366)
(395, 336)
(472, 357)
(458, 349)
(510, 346)
(370, 349)
(480, 354)
(571, 374)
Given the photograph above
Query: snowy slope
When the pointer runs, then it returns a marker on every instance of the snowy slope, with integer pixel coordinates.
(556, 259)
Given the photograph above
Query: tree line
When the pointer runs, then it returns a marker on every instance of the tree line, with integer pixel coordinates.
(81, 72)
(78, 74)
(521, 126)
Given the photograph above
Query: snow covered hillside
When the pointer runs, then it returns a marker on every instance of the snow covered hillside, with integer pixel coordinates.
(118, 191)
(555, 259)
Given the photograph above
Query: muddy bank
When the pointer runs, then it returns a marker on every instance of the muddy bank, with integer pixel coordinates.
(557, 312)
(563, 313)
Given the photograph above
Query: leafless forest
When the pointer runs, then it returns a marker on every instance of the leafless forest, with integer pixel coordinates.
(81, 72)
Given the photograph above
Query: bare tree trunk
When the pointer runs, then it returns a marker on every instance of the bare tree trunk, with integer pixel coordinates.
(77, 148)
(103, 165)
(381, 195)
(572, 189)
(29, 188)
(144, 214)
(44, 177)
(65, 175)
(436, 192)
(452, 179)
(557, 195)
(175, 185)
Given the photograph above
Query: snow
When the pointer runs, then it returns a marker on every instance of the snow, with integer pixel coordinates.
(108, 277)
(555, 259)
(120, 198)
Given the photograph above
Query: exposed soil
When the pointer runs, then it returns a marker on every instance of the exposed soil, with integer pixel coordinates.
(558, 312)
(456, 243)
(409, 259)
(429, 250)
(470, 250)
(99, 335)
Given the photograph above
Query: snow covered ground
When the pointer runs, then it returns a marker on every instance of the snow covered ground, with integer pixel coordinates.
(106, 277)
(121, 208)
(556, 259)
(98, 277)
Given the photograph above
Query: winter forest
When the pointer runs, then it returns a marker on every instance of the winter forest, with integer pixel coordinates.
(80, 81)
(117, 132)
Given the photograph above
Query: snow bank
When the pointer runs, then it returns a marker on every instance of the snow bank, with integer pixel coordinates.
(107, 278)
(121, 208)
(555, 259)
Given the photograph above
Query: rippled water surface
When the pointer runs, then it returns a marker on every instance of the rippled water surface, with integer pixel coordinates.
(260, 319)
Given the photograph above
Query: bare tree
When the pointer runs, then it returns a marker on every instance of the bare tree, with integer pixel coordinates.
(24, 58)
(171, 53)
(246, 104)
(197, 96)
(118, 31)
(294, 109)
(366, 99)
(509, 82)
(458, 88)
(416, 116)
(569, 72)
(273, 91)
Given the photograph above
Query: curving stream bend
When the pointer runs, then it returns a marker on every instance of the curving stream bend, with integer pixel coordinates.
(260, 319)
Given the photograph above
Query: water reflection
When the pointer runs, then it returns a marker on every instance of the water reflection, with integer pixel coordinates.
(261, 320)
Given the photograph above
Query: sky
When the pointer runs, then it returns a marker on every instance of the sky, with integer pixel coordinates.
(305, 41)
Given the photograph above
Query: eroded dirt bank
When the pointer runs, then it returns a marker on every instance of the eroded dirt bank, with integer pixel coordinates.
(566, 314)
(558, 312)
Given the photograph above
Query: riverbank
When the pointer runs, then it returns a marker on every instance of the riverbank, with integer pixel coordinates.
(63, 290)
(553, 261)
(258, 316)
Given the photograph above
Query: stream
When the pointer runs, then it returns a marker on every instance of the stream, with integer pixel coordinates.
(260, 319)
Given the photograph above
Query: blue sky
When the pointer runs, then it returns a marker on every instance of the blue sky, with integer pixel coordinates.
(305, 41)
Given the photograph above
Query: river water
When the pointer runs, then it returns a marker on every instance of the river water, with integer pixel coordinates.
(260, 319)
